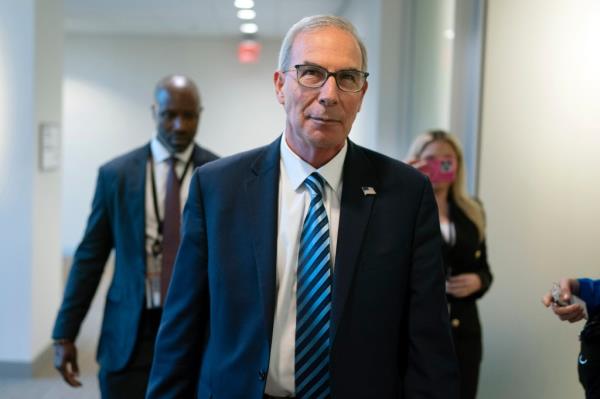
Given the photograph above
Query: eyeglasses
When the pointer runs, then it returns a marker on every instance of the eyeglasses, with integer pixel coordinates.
(313, 76)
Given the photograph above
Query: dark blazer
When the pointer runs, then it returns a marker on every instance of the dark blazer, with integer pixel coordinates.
(468, 255)
(116, 221)
(390, 332)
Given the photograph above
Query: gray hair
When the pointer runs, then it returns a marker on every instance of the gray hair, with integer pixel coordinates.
(312, 23)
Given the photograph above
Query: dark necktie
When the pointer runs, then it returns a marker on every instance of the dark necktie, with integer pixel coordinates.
(171, 223)
(313, 298)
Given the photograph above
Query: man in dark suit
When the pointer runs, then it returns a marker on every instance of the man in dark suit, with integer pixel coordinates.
(311, 267)
(136, 212)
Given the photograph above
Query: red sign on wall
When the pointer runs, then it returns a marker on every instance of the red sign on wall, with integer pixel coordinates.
(248, 52)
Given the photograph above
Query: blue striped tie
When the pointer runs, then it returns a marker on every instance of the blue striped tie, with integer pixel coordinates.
(313, 298)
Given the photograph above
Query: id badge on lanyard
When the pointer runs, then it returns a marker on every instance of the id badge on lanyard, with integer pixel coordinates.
(153, 280)
(154, 270)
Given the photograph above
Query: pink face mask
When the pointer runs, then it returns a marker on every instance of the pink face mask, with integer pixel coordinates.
(440, 170)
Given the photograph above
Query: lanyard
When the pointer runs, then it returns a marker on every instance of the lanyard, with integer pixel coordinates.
(156, 246)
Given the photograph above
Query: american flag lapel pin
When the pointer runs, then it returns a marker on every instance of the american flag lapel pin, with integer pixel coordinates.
(367, 190)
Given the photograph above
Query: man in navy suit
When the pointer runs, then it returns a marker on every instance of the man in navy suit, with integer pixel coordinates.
(311, 267)
(130, 215)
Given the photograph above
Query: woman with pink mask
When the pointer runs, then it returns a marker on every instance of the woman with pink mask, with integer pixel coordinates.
(462, 224)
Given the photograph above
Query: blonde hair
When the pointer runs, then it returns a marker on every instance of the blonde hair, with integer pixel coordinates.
(458, 189)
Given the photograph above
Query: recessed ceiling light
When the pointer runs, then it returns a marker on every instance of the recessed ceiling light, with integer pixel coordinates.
(249, 28)
(244, 3)
(246, 14)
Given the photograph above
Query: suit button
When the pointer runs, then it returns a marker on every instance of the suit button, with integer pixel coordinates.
(455, 323)
(262, 375)
(477, 254)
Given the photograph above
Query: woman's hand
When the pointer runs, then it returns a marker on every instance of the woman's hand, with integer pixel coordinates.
(463, 285)
(418, 164)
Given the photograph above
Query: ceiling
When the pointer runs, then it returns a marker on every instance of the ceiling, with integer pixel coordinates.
(189, 17)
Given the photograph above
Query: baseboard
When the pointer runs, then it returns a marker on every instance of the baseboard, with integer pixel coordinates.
(38, 367)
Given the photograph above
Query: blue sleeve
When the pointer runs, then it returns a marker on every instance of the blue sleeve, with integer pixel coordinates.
(589, 291)
(88, 264)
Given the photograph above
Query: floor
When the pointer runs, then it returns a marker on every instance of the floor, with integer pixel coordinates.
(49, 384)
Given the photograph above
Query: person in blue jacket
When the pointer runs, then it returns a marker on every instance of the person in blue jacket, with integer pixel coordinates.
(588, 290)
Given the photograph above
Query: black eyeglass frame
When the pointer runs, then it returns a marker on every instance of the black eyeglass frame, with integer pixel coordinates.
(327, 75)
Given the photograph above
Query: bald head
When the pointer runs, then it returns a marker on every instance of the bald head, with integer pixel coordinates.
(176, 83)
(176, 112)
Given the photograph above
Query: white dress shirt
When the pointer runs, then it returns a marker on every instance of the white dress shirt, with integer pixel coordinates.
(160, 156)
(294, 200)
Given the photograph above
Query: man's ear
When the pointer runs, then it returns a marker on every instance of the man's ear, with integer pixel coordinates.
(278, 81)
(154, 114)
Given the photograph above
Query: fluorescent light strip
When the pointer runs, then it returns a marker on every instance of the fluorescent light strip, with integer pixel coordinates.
(244, 3)
(249, 28)
(246, 14)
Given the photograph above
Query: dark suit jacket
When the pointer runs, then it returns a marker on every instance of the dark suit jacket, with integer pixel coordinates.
(390, 331)
(117, 220)
(467, 255)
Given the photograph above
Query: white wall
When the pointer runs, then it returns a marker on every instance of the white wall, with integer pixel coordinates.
(540, 170)
(46, 275)
(17, 157)
(410, 61)
(465, 104)
(30, 81)
(431, 66)
(108, 85)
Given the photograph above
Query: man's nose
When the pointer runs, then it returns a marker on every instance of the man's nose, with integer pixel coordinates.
(329, 94)
(178, 123)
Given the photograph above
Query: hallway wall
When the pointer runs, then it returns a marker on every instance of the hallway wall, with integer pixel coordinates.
(45, 282)
(31, 56)
(540, 170)
(17, 166)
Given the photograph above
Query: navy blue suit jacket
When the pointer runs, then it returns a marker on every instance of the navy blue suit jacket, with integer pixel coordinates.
(117, 220)
(390, 331)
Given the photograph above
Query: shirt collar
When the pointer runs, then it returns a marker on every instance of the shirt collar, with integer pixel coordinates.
(161, 154)
(298, 170)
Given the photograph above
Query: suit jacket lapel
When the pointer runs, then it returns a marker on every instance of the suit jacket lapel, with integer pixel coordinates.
(135, 195)
(354, 216)
(262, 189)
